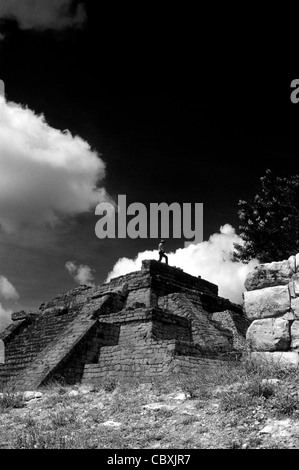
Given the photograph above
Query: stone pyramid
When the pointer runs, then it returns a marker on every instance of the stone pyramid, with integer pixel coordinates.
(156, 321)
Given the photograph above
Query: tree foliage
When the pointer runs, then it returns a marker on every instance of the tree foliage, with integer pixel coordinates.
(270, 221)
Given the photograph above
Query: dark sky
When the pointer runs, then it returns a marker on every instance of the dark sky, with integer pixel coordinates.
(174, 122)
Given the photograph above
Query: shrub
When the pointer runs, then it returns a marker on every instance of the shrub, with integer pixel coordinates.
(195, 387)
(189, 420)
(58, 400)
(165, 413)
(109, 385)
(231, 401)
(254, 442)
(63, 418)
(11, 400)
(234, 444)
(55, 383)
(284, 404)
(258, 388)
(29, 421)
(36, 438)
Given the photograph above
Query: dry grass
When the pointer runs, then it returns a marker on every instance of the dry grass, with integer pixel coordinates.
(223, 408)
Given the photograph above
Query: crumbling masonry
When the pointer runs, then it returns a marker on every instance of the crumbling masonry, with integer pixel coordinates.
(271, 303)
(155, 321)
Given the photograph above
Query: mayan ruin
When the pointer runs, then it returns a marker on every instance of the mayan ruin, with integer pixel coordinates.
(156, 321)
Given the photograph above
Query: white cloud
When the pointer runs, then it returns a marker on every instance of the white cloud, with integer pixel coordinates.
(10, 295)
(5, 317)
(81, 274)
(45, 174)
(7, 290)
(212, 260)
(43, 14)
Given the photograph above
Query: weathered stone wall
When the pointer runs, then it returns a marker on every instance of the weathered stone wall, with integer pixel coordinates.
(234, 325)
(195, 365)
(208, 336)
(25, 339)
(272, 305)
(137, 335)
(145, 359)
(148, 360)
(85, 352)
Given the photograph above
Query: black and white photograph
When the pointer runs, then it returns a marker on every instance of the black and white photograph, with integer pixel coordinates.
(149, 236)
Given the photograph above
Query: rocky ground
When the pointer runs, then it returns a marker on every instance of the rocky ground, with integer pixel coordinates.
(241, 407)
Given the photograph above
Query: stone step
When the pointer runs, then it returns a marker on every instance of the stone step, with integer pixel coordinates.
(35, 338)
(24, 358)
(19, 353)
(11, 373)
(35, 332)
(8, 376)
(24, 346)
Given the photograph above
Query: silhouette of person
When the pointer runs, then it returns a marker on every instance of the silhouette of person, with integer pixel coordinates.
(162, 252)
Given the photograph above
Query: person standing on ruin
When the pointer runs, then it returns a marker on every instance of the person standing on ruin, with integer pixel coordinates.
(162, 252)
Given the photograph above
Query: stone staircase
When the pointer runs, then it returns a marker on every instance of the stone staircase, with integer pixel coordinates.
(23, 348)
(40, 347)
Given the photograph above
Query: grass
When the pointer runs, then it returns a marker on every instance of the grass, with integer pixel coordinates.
(9, 400)
(194, 387)
(225, 408)
(283, 404)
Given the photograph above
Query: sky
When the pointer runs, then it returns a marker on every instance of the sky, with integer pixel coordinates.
(98, 106)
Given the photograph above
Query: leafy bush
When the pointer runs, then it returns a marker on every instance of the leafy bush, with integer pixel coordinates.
(269, 220)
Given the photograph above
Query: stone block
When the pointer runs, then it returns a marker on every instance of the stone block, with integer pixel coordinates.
(295, 307)
(295, 335)
(292, 289)
(290, 316)
(269, 274)
(296, 283)
(21, 315)
(292, 263)
(269, 334)
(268, 302)
(276, 358)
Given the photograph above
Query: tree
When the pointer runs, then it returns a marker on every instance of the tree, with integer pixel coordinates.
(270, 221)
